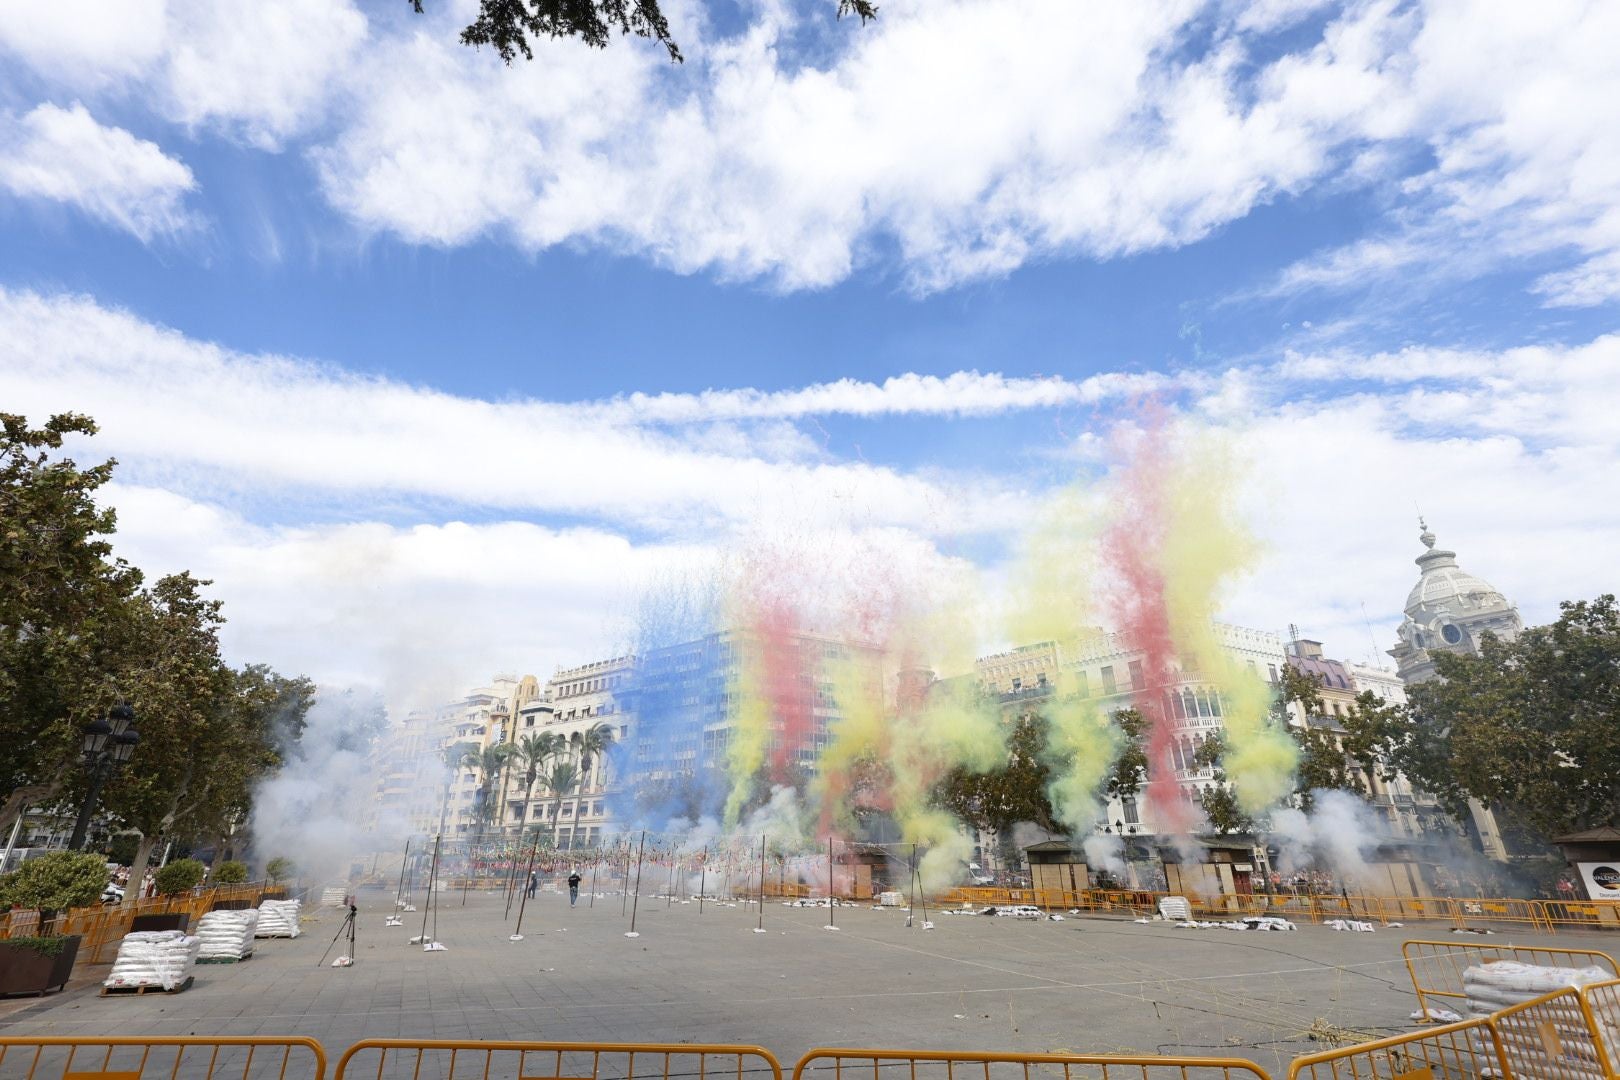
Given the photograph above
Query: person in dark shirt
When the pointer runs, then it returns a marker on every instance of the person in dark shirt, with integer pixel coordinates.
(573, 887)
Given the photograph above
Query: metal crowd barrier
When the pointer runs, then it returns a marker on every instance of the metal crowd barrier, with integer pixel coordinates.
(1566, 1035)
(161, 1057)
(1437, 967)
(446, 1059)
(861, 1064)
(1465, 1051)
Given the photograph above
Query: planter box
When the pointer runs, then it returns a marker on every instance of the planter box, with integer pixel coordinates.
(28, 971)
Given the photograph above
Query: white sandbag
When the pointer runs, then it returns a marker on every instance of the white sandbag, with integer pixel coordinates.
(278, 918)
(1175, 907)
(164, 958)
(1501, 983)
(227, 934)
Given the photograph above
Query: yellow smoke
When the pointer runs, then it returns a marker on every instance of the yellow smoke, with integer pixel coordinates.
(751, 726)
(1204, 546)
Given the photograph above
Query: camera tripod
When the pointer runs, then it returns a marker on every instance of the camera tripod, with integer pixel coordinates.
(349, 922)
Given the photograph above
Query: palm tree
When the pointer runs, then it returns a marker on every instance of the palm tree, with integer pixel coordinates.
(533, 752)
(489, 762)
(562, 778)
(593, 743)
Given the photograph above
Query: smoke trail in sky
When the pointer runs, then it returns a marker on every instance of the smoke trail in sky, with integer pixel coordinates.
(1134, 546)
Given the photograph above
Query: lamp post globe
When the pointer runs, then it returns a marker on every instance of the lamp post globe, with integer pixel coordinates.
(109, 742)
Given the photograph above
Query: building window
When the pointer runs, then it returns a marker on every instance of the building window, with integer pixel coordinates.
(1131, 815)
(1108, 680)
(1138, 680)
(1273, 669)
(1085, 685)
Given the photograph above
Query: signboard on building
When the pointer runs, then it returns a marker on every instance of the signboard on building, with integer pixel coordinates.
(1602, 879)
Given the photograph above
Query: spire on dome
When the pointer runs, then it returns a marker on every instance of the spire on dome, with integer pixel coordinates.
(1427, 537)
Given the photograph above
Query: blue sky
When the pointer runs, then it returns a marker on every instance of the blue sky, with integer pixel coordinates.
(346, 294)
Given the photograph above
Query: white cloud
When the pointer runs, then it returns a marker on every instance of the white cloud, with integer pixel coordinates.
(945, 130)
(259, 72)
(223, 420)
(84, 45)
(1520, 109)
(64, 155)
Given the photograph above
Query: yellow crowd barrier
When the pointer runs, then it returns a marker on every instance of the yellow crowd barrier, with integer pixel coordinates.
(161, 1057)
(861, 1064)
(1566, 1035)
(444, 1059)
(1582, 914)
(1465, 1051)
(1437, 967)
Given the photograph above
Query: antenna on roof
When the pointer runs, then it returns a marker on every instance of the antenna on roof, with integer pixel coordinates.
(1372, 638)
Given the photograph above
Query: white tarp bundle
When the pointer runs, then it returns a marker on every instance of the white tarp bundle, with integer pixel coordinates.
(1175, 907)
(1559, 1038)
(1502, 983)
(227, 934)
(277, 918)
(163, 958)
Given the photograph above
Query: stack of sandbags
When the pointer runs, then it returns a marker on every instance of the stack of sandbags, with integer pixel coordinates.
(1175, 907)
(277, 918)
(164, 958)
(1557, 1035)
(335, 897)
(1502, 983)
(227, 935)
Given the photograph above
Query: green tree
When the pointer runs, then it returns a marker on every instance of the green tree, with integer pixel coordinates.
(178, 876)
(594, 743)
(507, 25)
(1527, 726)
(562, 778)
(1016, 791)
(488, 761)
(533, 752)
(65, 603)
(230, 872)
(1130, 767)
(55, 881)
(279, 869)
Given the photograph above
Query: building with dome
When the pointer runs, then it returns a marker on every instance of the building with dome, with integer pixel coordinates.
(1451, 610)
(1448, 609)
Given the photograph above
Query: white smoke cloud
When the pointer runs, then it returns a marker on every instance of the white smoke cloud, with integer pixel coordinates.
(315, 809)
(1336, 836)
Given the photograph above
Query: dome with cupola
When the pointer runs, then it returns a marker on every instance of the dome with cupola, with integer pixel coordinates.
(1448, 609)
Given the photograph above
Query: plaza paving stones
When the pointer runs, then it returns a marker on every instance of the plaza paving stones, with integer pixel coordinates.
(1087, 985)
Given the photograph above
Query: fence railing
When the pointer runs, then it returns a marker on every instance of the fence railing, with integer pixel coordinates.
(158, 1057)
(444, 1059)
(1437, 967)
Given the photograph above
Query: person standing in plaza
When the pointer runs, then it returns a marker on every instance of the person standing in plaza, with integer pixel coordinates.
(573, 887)
(534, 883)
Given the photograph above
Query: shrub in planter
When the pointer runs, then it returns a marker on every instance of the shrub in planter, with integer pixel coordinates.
(55, 881)
(33, 965)
(178, 876)
(230, 873)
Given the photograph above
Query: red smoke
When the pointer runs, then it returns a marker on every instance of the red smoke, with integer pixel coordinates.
(1134, 548)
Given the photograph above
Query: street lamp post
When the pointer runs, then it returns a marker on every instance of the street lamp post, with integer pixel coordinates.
(108, 744)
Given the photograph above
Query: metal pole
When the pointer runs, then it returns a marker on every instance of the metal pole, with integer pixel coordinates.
(624, 893)
(761, 881)
(669, 897)
(433, 873)
(596, 861)
(511, 880)
(911, 886)
(518, 932)
(832, 920)
(97, 779)
(703, 877)
(11, 843)
(405, 860)
(637, 904)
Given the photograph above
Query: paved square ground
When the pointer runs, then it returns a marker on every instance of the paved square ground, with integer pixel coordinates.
(1087, 984)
